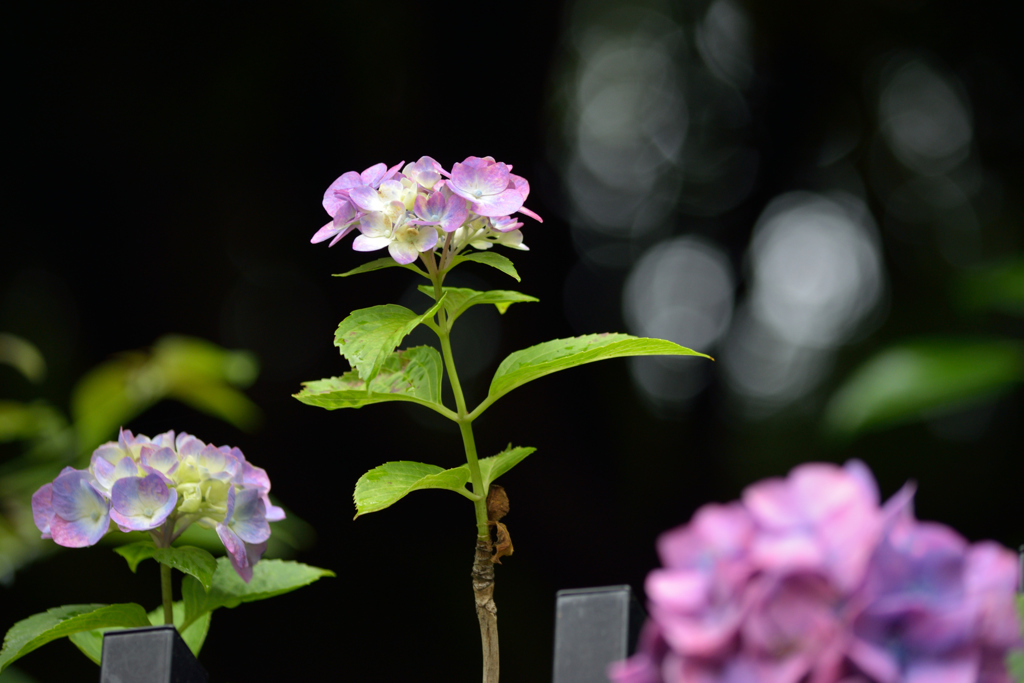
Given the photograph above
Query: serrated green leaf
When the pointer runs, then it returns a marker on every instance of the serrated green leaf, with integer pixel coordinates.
(408, 375)
(488, 258)
(529, 364)
(134, 553)
(186, 559)
(368, 337)
(58, 622)
(387, 484)
(380, 264)
(493, 467)
(458, 300)
(913, 381)
(269, 578)
(91, 642)
(189, 560)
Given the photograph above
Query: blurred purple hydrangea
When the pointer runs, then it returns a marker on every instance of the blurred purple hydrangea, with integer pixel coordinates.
(424, 206)
(809, 580)
(161, 485)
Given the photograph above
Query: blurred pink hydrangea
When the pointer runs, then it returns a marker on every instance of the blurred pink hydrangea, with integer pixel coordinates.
(809, 580)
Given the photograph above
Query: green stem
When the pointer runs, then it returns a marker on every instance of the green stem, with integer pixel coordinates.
(465, 424)
(162, 537)
(483, 568)
(165, 590)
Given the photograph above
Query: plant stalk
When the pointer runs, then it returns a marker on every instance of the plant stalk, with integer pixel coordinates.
(483, 568)
(486, 610)
(165, 590)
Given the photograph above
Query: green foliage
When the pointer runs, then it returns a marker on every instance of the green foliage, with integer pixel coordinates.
(23, 356)
(25, 421)
(488, 258)
(910, 381)
(410, 375)
(996, 288)
(39, 629)
(269, 578)
(1015, 660)
(368, 336)
(458, 300)
(196, 372)
(385, 485)
(529, 364)
(91, 642)
(193, 371)
(187, 559)
(380, 264)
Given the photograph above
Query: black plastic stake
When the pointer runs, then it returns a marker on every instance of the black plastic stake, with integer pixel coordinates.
(149, 655)
(593, 628)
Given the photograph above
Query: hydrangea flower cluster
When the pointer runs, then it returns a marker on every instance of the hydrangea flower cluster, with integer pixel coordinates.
(411, 211)
(161, 485)
(809, 579)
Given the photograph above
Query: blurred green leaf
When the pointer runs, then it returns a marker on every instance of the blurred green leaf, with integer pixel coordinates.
(23, 421)
(23, 356)
(997, 288)
(193, 371)
(14, 675)
(193, 357)
(917, 380)
(1015, 661)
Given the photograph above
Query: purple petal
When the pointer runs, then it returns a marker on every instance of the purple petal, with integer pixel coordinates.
(249, 520)
(80, 533)
(367, 199)
(81, 514)
(42, 508)
(479, 181)
(392, 171)
(274, 513)
(141, 503)
(373, 175)
(502, 204)
(341, 233)
(375, 224)
(254, 552)
(455, 213)
(404, 252)
(364, 243)
(103, 470)
(236, 552)
(526, 212)
(256, 477)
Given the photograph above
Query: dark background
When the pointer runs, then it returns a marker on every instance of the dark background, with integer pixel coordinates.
(164, 167)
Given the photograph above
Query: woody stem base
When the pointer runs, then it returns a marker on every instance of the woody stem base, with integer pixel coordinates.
(486, 611)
